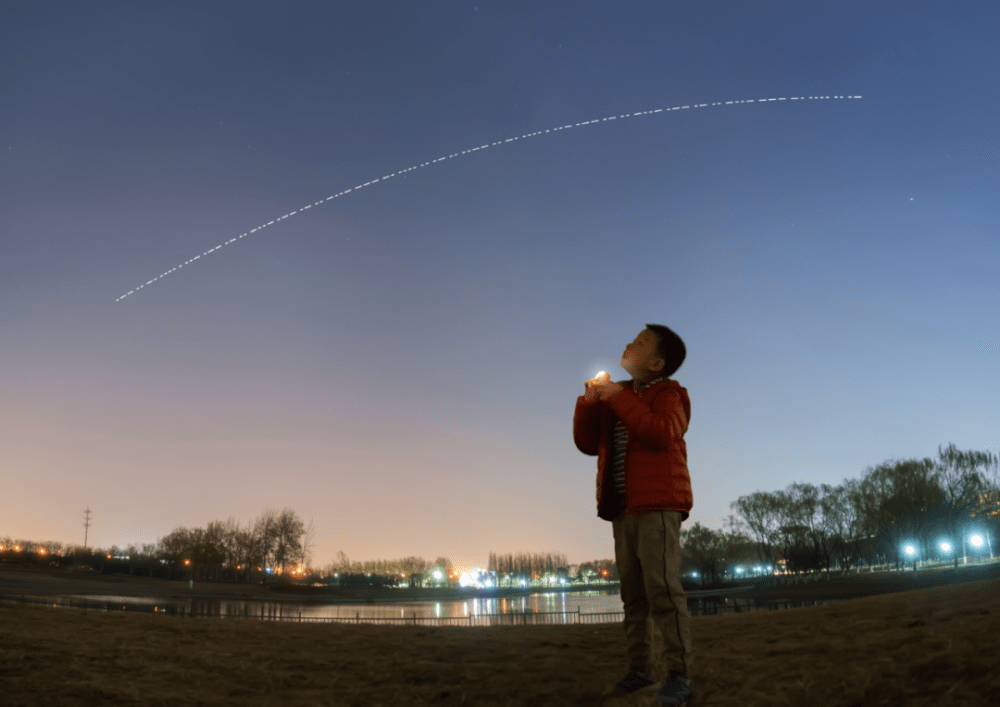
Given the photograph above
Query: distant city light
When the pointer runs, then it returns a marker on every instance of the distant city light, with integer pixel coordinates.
(472, 578)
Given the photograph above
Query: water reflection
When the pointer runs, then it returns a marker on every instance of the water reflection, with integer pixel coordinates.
(712, 606)
(548, 607)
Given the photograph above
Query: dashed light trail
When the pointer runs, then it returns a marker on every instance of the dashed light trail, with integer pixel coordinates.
(470, 151)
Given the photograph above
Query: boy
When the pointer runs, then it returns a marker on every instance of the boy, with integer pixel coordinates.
(636, 430)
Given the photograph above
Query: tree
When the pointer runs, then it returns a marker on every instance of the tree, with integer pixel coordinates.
(288, 533)
(342, 564)
(444, 565)
(841, 521)
(964, 479)
(790, 535)
(900, 502)
(704, 548)
(265, 536)
(806, 511)
(758, 514)
(246, 551)
(308, 544)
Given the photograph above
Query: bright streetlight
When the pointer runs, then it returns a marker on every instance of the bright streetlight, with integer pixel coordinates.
(977, 540)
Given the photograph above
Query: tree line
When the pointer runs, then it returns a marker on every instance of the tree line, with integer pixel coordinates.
(227, 551)
(860, 521)
(801, 528)
(223, 551)
(409, 570)
(514, 568)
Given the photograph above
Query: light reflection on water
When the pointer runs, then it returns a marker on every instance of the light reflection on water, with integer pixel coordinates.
(591, 602)
(559, 607)
(561, 602)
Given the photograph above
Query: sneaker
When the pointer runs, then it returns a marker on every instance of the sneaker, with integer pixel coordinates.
(675, 691)
(633, 682)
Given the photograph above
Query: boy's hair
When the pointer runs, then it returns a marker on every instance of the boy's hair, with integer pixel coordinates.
(669, 347)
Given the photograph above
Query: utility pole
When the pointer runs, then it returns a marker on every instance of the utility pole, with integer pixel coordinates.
(86, 526)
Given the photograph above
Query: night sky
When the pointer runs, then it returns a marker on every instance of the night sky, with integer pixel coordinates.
(399, 364)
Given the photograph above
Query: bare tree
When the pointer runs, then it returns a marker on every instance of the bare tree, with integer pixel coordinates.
(265, 535)
(289, 530)
(757, 515)
(841, 521)
(308, 544)
(705, 548)
(964, 478)
(901, 500)
(806, 511)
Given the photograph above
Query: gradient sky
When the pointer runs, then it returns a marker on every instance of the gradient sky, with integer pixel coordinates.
(400, 364)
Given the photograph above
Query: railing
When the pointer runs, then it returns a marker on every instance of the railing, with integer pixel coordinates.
(513, 619)
(698, 607)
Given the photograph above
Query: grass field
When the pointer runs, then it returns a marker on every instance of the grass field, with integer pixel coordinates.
(933, 646)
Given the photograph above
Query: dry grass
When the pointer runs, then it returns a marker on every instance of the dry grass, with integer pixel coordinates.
(937, 646)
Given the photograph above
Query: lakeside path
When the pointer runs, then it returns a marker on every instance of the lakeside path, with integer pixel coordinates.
(922, 648)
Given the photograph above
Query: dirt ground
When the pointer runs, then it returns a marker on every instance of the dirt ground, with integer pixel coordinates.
(934, 646)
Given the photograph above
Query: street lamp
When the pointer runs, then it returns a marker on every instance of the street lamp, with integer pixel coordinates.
(946, 548)
(977, 542)
(911, 551)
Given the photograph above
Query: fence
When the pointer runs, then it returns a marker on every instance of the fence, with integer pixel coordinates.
(698, 607)
(295, 615)
(515, 619)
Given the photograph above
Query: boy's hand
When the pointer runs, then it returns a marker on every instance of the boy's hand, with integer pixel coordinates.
(599, 387)
(605, 390)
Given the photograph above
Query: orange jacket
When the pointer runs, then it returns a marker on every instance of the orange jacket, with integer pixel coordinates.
(656, 473)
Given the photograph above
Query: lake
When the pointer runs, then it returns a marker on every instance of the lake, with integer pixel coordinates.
(560, 607)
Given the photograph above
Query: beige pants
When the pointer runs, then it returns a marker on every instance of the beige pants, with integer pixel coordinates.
(648, 555)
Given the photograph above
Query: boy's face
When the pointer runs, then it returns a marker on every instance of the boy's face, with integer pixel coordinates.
(640, 359)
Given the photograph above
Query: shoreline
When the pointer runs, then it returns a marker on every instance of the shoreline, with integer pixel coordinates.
(48, 582)
(20, 581)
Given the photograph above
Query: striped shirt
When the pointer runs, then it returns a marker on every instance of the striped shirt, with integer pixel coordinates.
(621, 441)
